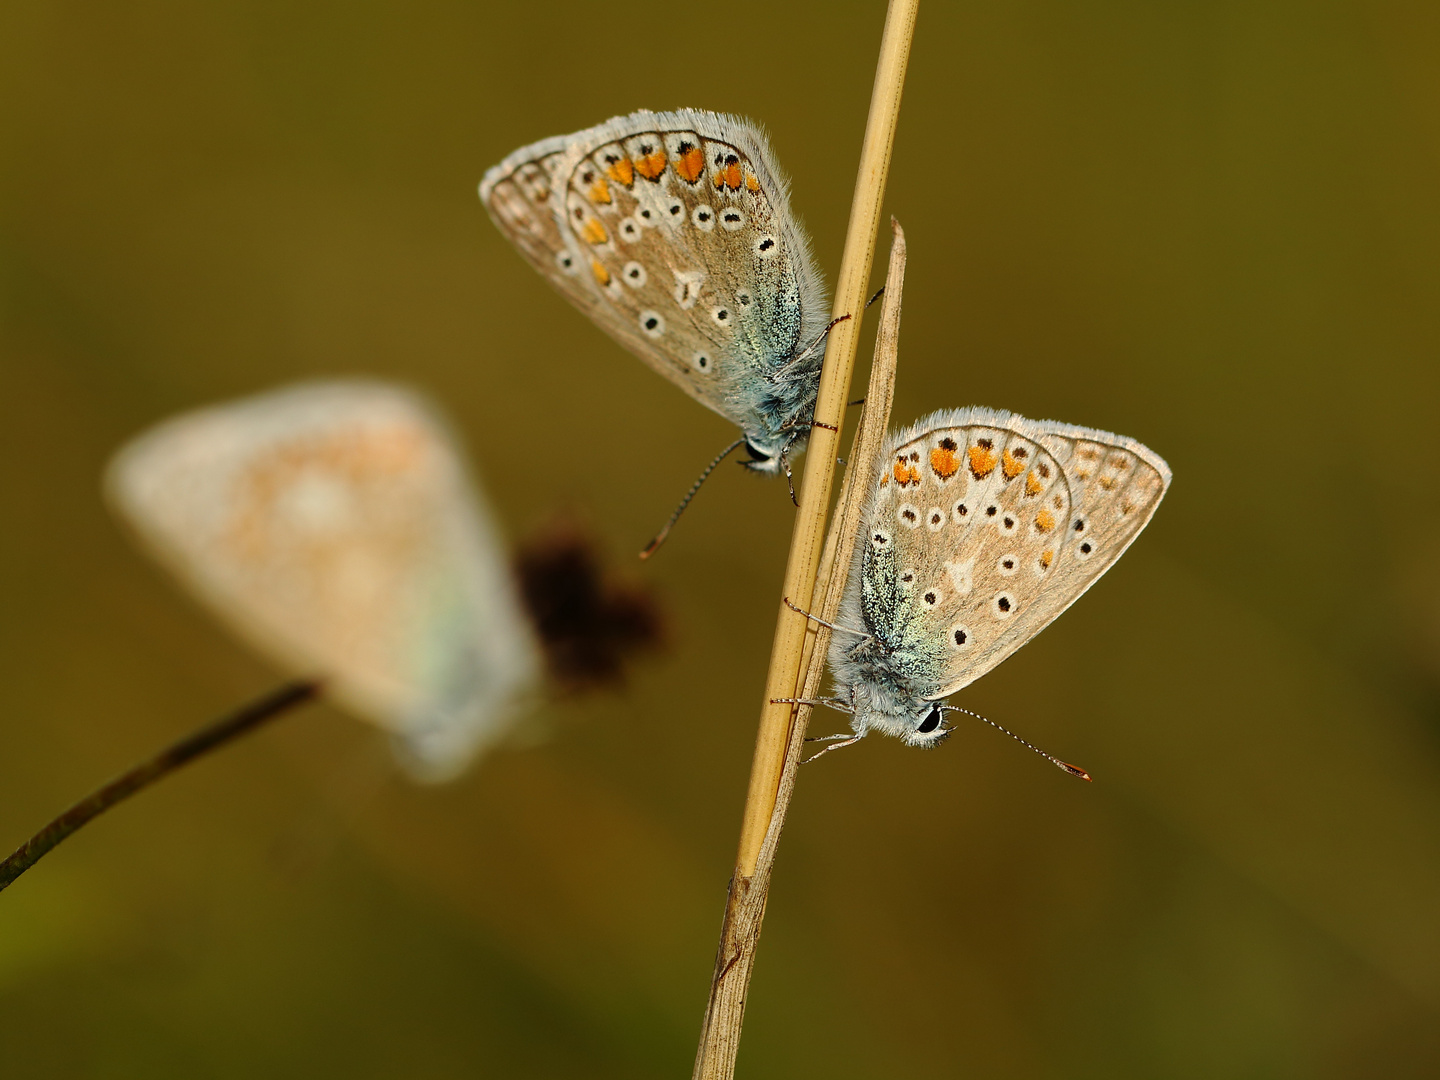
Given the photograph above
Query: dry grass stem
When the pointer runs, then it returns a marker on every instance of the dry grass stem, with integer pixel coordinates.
(745, 907)
(859, 478)
(805, 544)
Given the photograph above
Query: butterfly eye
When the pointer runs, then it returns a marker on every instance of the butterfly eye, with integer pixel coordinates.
(931, 721)
(756, 453)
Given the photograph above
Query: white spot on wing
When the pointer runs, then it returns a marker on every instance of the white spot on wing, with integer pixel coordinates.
(962, 576)
(687, 287)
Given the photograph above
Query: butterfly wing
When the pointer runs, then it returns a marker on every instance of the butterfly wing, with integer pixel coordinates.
(333, 527)
(1000, 523)
(524, 195)
(674, 232)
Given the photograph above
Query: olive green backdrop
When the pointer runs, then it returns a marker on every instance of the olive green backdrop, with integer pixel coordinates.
(1212, 226)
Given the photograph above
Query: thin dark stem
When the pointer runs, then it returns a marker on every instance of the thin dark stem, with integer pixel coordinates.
(212, 735)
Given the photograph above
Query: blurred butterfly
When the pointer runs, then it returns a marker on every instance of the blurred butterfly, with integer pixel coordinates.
(673, 231)
(982, 527)
(333, 526)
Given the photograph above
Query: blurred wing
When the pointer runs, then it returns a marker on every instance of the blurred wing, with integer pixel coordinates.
(332, 525)
(684, 229)
(1004, 522)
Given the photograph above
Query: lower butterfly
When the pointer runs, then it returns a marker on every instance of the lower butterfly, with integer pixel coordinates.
(333, 525)
(981, 528)
(673, 232)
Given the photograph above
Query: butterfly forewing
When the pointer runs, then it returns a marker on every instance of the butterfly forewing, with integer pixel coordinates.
(678, 232)
(997, 524)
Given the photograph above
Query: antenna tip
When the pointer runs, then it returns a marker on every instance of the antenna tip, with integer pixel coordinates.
(1075, 770)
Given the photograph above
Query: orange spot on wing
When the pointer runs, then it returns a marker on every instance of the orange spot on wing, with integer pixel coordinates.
(594, 232)
(719, 180)
(906, 473)
(884, 479)
(1044, 521)
(751, 183)
(944, 462)
(602, 276)
(690, 164)
(1046, 560)
(621, 171)
(651, 165)
(600, 192)
(1107, 482)
(982, 462)
(734, 177)
(1011, 466)
(1033, 486)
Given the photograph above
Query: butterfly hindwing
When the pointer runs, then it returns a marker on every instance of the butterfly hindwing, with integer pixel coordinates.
(524, 195)
(994, 525)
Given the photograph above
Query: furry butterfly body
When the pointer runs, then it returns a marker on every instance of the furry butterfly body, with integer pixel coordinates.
(673, 232)
(981, 529)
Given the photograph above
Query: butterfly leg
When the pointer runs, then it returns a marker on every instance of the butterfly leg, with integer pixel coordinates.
(838, 704)
(822, 622)
(791, 369)
(785, 464)
(851, 741)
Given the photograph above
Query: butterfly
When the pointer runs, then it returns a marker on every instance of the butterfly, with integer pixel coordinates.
(673, 232)
(333, 526)
(981, 528)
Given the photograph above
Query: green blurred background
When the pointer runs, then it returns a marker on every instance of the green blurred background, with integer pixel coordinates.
(1211, 226)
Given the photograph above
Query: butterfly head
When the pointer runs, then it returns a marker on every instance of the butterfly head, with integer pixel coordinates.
(884, 703)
